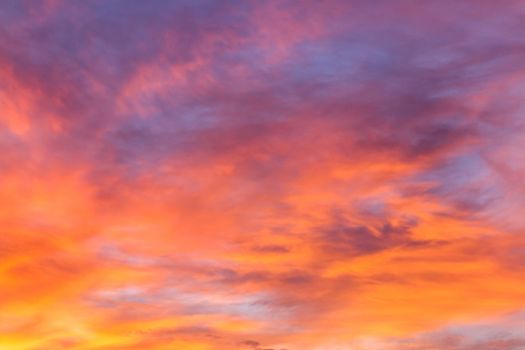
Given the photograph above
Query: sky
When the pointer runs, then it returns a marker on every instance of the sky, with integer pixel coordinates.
(262, 175)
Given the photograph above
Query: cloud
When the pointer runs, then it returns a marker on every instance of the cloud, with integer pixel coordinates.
(220, 175)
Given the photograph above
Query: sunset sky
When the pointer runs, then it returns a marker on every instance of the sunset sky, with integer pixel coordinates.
(262, 175)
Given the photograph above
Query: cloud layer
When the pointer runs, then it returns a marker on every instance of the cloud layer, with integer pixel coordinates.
(262, 175)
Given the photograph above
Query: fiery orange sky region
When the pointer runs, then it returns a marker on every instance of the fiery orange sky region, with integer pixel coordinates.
(262, 175)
